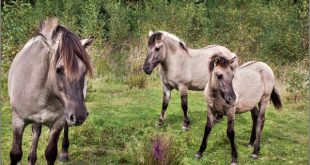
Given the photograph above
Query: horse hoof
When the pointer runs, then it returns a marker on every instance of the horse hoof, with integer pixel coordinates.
(254, 156)
(233, 163)
(159, 125)
(185, 128)
(63, 157)
(198, 156)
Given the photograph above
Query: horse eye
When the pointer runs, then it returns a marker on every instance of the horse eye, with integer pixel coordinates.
(219, 76)
(157, 49)
(60, 70)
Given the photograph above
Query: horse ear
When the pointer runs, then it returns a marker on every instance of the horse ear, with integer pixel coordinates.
(150, 33)
(87, 42)
(232, 60)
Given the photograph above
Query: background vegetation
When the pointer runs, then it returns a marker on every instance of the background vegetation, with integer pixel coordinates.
(275, 32)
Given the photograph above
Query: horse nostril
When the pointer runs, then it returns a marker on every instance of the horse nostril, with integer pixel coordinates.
(231, 98)
(146, 68)
(87, 113)
(72, 118)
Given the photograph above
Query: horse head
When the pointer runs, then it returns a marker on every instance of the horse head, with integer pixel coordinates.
(222, 73)
(156, 52)
(69, 65)
(160, 45)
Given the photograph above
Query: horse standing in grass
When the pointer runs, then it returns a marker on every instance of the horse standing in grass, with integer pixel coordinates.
(46, 81)
(181, 68)
(235, 90)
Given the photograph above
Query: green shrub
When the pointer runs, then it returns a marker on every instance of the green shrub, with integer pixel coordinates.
(163, 151)
(138, 80)
(298, 85)
(272, 31)
(160, 149)
(102, 67)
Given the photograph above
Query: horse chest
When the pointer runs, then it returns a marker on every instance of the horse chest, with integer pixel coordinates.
(170, 80)
(218, 105)
(47, 116)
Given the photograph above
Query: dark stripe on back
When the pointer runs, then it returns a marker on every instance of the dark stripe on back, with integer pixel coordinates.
(247, 64)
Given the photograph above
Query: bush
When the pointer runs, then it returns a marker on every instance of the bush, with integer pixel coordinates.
(160, 149)
(138, 80)
(272, 31)
(298, 85)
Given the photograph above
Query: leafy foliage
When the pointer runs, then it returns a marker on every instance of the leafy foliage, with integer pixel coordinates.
(298, 85)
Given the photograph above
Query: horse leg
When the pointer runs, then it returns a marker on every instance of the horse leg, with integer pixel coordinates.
(208, 128)
(36, 132)
(18, 126)
(231, 135)
(260, 125)
(51, 150)
(64, 155)
(166, 98)
(183, 93)
(254, 114)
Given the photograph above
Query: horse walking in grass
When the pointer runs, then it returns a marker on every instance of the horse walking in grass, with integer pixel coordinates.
(46, 81)
(181, 68)
(234, 90)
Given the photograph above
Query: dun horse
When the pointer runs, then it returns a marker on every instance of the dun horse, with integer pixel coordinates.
(46, 81)
(235, 90)
(181, 68)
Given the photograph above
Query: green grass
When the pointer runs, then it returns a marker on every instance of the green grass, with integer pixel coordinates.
(122, 121)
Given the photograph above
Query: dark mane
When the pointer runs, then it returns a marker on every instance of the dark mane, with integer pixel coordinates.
(218, 60)
(154, 37)
(158, 36)
(69, 46)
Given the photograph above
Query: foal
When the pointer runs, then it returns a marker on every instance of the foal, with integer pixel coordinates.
(181, 68)
(235, 90)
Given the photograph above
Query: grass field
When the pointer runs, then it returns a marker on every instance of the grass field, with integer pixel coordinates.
(122, 122)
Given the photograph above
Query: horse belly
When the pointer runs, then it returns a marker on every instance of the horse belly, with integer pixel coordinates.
(197, 86)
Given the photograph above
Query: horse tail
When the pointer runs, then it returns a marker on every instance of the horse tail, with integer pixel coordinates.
(275, 98)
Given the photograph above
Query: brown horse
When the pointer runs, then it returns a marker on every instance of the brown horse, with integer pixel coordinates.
(235, 90)
(181, 68)
(46, 81)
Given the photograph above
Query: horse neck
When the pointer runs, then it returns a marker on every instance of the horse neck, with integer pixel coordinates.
(175, 59)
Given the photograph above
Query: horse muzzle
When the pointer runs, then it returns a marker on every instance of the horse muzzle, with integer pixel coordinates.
(230, 99)
(147, 69)
(76, 119)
